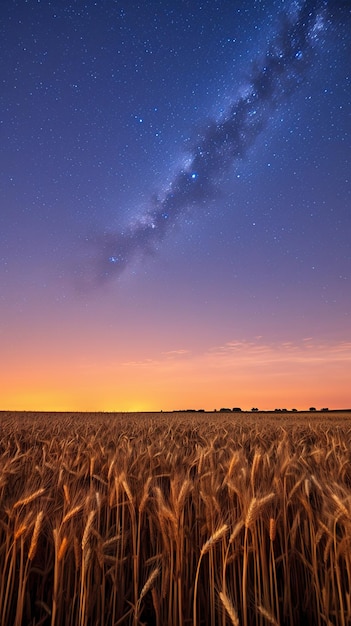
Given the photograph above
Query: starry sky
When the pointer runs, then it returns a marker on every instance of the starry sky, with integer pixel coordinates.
(175, 223)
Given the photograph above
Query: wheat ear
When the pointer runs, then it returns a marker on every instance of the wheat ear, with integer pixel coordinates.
(62, 550)
(29, 498)
(272, 528)
(228, 605)
(71, 513)
(36, 532)
(216, 536)
(269, 616)
(149, 583)
(87, 529)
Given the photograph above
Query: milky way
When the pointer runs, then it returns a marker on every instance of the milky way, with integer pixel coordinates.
(274, 77)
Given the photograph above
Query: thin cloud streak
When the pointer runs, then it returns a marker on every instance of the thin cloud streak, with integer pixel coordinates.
(241, 352)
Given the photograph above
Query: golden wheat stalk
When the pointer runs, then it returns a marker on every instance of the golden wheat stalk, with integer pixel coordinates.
(164, 510)
(267, 615)
(156, 605)
(233, 462)
(254, 467)
(251, 512)
(62, 549)
(30, 498)
(149, 583)
(98, 499)
(72, 513)
(255, 507)
(229, 607)
(20, 530)
(66, 493)
(87, 529)
(145, 495)
(183, 492)
(216, 536)
(127, 490)
(272, 529)
(111, 541)
(35, 536)
(340, 505)
(236, 530)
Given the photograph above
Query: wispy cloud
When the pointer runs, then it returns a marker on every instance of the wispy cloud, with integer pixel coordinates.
(307, 350)
(176, 353)
(240, 353)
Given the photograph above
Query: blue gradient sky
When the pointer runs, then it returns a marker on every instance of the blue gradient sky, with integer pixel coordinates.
(175, 205)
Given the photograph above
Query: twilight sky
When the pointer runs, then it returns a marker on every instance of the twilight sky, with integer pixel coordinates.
(175, 214)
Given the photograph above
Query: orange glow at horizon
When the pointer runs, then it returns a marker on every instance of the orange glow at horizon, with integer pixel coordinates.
(245, 374)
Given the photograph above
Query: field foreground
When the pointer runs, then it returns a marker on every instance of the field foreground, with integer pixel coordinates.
(175, 519)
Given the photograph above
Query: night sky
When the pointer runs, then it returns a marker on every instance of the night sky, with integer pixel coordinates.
(175, 208)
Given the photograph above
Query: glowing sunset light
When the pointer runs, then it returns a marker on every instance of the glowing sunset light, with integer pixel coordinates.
(242, 374)
(175, 205)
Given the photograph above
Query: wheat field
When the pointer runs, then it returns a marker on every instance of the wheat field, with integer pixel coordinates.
(175, 519)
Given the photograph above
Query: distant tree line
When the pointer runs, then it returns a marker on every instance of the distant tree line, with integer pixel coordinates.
(237, 409)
